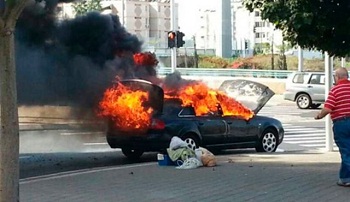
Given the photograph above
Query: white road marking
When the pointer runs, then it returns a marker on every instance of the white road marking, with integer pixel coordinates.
(95, 143)
(24, 157)
(81, 133)
(305, 138)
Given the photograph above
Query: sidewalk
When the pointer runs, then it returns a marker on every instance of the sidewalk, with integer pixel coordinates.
(239, 176)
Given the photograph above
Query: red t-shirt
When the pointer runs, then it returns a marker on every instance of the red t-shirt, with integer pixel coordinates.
(339, 100)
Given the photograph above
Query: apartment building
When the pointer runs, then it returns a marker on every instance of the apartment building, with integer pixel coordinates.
(149, 20)
(247, 29)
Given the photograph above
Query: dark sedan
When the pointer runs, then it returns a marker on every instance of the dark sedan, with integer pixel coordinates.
(213, 130)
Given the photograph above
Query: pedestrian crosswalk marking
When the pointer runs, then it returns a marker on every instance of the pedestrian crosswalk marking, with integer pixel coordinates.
(305, 136)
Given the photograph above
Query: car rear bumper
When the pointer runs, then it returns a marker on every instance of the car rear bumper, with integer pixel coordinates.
(289, 96)
(147, 142)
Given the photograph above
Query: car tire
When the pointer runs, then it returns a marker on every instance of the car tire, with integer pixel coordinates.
(132, 153)
(192, 141)
(268, 141)
(303, 101)
(315, 106)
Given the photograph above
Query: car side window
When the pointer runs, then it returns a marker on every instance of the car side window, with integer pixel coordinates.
(315, 79)
(322, 79)
(187, 112)
(299, 78)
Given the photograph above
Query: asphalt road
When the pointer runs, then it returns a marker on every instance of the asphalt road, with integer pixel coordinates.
(45, 152)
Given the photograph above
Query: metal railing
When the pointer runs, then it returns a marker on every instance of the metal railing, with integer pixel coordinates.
(280, 74)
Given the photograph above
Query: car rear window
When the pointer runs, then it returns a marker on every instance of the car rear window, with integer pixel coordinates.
(187, 111)
(299, 78)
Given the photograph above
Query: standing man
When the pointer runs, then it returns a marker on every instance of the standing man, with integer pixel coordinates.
(338, 106)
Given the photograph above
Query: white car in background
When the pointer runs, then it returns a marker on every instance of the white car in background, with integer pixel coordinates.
(306, 89)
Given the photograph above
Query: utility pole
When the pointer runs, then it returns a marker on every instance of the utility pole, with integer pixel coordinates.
(195, 52)
(272, 55)
(343, 62)
(123, 13)
(300, 59)
(328, 61)
(173, 28)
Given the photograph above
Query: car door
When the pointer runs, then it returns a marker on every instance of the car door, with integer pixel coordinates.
(316, 87)
(239, 130)
(212, 128)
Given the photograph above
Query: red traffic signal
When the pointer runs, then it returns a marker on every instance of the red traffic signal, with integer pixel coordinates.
(171, 39)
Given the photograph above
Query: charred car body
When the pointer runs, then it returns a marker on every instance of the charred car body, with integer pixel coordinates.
(213, 130)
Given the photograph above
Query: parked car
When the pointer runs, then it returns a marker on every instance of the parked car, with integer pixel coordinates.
(306, 89)
(212, 131)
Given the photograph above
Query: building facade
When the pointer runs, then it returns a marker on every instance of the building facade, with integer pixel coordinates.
(249, 31)
(150, 21)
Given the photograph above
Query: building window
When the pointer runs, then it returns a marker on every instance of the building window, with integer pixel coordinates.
(257, 13)
(137, 17)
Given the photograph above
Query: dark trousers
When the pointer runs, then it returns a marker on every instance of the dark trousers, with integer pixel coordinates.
(341, 130)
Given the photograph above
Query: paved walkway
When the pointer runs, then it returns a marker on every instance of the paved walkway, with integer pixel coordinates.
(239, 176)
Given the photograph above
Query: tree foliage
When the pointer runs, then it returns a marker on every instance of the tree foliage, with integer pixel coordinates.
(314, 24)
(83, 7)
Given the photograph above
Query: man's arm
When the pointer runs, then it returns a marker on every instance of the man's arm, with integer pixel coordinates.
(323, 113)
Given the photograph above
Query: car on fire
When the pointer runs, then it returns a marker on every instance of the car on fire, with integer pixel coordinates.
(213, 130)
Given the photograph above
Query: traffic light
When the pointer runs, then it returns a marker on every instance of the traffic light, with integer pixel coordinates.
(245, 45)
(171, 39)
(180, 39)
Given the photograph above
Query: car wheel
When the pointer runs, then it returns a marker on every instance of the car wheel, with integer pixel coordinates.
(315, 106)
(268, 141)
(192, 142)
(303, 101)
(132, 153)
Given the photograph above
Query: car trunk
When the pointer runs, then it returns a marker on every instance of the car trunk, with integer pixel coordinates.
(155, 101)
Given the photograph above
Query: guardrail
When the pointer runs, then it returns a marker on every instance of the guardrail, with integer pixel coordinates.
(280, 74)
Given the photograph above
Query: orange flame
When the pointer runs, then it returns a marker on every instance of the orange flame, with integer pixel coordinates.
(124, 106)
(146, 58)
(205, 100)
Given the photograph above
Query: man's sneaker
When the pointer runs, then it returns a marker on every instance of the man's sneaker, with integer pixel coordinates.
(343, 184)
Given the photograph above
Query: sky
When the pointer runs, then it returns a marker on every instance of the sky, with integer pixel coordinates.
(188, 14)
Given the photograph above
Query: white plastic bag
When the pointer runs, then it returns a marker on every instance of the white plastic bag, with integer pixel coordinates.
(190, 163)
(198, 153)
(176, 143)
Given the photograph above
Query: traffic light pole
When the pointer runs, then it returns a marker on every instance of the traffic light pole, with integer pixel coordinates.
(173, 28)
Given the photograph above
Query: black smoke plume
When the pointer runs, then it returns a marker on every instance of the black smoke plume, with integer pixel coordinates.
(70, 62)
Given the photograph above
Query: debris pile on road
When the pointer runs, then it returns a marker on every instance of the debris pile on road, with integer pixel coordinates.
(183, 157)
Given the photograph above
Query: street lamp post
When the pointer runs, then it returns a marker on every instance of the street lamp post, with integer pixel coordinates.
(328, 84)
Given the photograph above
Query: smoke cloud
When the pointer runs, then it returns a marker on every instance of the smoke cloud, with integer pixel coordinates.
(70, 62)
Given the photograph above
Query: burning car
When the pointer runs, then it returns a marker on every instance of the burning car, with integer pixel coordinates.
(143, 117)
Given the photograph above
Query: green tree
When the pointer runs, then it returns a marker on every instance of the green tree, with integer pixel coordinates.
(83, 7)
(314, 24)
(10, 10)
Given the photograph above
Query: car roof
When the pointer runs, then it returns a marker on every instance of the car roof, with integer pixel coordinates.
(307, 72)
